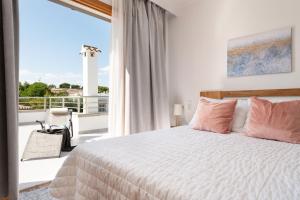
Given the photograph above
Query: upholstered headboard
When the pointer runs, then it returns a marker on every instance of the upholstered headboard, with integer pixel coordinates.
(248, 93)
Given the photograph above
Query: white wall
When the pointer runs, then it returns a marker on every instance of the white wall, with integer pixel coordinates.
(198, 45)
(81, 122)
(89, 122)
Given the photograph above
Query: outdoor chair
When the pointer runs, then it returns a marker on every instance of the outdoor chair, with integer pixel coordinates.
(57, 118)
(53, 137)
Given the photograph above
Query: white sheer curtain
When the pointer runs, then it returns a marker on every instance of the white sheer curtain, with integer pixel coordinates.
(138, 90)
(118, 78)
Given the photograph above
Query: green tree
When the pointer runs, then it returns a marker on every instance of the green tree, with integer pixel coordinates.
(26, 85)
(75, 86)
(62, 94)
(23, 88)
(103, 89)
(49, 93)
(37, 89)
(65, 85)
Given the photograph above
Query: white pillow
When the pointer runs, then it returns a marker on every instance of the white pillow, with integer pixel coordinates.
(240, 114)
(280, 99)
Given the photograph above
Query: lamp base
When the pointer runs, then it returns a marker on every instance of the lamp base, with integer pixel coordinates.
(177, 121)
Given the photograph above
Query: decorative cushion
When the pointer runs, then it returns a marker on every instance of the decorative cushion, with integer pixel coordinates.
(276, 121)
(214, 116)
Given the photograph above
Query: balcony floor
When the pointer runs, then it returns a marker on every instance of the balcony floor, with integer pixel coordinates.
(38, 171)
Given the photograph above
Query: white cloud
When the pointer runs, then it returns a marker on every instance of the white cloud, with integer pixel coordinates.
(58, 78)
(103, 71)
(50, 78)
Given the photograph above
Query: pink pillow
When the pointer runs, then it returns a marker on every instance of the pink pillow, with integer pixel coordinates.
(215, 117)
(275, 121)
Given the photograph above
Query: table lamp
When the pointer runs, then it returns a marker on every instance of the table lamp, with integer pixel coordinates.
(178, 111)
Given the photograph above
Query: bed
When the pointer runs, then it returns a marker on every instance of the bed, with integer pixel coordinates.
(181, 163)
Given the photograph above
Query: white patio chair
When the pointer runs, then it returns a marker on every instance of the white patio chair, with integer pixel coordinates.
(41, 144)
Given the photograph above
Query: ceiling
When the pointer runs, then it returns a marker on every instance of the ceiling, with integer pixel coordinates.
(172, 6)
(177, 5)
(107, 1)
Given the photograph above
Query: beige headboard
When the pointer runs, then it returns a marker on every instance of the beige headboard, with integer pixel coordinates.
(249, 93)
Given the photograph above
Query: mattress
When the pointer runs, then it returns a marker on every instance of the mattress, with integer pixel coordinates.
(180, 164)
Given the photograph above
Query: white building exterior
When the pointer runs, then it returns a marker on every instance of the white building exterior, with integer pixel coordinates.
(90, 78)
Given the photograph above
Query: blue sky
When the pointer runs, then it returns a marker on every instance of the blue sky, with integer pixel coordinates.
(51, 36)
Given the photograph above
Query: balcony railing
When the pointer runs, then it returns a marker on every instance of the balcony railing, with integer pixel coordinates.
(80, 104)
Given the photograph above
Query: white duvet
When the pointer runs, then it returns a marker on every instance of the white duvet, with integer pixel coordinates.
(181, 163)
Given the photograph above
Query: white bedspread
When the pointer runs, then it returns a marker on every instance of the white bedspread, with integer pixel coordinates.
(183, 164)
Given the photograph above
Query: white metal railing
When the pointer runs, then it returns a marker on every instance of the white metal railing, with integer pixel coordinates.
(80, 104)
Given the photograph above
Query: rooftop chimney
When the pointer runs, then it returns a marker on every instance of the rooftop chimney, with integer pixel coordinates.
(90, 76)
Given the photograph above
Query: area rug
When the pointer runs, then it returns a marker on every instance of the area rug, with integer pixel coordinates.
(39, 192)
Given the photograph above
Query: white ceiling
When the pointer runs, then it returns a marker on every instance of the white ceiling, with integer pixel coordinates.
(107, 1)
(172, 6)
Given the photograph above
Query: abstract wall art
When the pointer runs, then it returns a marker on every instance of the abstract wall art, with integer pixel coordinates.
(265, 53)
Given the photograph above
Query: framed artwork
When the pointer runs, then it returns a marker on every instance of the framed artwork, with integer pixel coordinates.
(265, 53)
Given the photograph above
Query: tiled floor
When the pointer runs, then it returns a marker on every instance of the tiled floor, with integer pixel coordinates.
(38, 171)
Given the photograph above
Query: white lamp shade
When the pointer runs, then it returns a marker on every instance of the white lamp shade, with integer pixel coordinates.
(178, 109)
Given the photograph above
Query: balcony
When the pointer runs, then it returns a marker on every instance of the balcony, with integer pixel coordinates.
(90, 114)
(90, 121)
